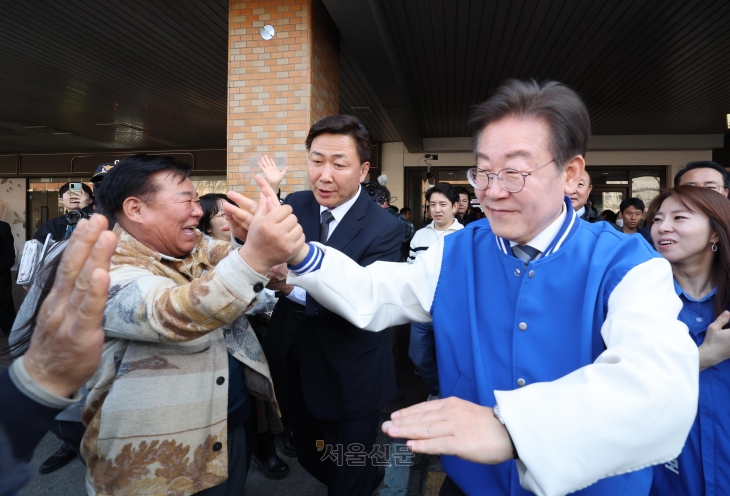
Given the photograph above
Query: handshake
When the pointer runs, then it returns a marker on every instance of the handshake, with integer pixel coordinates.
(271, 231)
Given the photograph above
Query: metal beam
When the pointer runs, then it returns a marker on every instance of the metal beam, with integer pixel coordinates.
(363, 27)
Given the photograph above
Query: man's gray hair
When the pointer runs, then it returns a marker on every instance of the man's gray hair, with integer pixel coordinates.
(557, 105)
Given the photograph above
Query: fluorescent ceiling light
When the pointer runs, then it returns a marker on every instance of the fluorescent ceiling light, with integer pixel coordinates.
(48, 130)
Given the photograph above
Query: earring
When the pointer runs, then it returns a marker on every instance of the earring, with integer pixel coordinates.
(714, 246)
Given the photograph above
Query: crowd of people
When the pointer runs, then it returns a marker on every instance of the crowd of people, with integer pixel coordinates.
(171, 340)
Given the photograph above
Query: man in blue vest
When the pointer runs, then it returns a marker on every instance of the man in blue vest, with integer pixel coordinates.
(545, 391)
(561, 360)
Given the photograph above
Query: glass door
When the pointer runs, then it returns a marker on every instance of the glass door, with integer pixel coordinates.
(613, 184)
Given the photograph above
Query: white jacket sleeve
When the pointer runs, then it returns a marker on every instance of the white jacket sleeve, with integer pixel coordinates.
(376, 297)
(633, 407)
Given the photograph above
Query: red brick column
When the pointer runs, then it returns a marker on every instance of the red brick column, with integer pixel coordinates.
(277, 88)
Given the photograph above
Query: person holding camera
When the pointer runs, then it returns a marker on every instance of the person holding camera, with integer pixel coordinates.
(78, 206)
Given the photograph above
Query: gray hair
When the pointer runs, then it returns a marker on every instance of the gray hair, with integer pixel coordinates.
(557, 105)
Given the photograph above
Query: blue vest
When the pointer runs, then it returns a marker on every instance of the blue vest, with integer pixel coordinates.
(483, 295)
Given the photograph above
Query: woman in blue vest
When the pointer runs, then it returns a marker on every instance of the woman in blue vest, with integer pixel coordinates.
(691, 230)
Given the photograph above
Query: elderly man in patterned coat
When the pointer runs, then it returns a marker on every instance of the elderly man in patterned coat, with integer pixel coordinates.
(183, 381)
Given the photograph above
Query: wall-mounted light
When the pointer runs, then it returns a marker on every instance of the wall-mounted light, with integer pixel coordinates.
(728, 121)
(268, 32)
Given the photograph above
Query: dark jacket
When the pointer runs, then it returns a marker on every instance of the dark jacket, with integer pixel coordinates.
(346, 373)
(646, 232)
(23, 423)
(590, 215)
(7, 247)
(57, 227)
(469, 216)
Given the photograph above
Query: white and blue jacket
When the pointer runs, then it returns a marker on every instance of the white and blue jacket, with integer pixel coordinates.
(582, 350)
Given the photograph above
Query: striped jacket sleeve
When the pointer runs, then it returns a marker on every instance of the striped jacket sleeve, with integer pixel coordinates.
(375, 297)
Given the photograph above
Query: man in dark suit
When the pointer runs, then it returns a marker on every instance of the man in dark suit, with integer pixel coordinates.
(7, 260)
(337, 376)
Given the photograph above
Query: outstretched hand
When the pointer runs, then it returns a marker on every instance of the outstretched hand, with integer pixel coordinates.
(240, 218)
(273, 233)
(68, 339)
(273, 175)
(452, 427)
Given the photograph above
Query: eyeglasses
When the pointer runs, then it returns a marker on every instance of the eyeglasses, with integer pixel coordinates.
(710, 185)
(511, 180)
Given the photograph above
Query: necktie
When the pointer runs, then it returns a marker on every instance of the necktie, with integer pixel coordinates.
(526, 253)
(324, 227)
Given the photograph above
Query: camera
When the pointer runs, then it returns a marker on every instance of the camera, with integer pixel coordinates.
(74, 216)
(376, 192)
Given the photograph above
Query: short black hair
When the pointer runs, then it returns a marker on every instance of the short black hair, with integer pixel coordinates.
(343, 124)
(461, 190)
(62, 190)
(631, 202)
(132, 177)
(445, 189)
(704, 164)
(404, 210)
(560, 107)
(609, 215)
(209, 204)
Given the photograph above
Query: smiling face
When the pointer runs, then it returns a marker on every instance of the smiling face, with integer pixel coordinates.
(682, 236)
(334, 169)
(219, 227)
(442, 210)
(167, 221)
(523, 144)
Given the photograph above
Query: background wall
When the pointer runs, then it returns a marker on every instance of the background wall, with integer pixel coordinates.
(674, 158)
(396, 158)
(278, 88)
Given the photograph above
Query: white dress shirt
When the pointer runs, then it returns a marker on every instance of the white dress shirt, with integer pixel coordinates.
(298, 294)
(543, 240)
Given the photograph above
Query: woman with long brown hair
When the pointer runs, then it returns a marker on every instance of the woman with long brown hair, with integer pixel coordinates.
(691, 229)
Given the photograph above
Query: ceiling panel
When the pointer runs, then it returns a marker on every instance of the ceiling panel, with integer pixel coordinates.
(643, 67)
(355, 91)
(154, 73)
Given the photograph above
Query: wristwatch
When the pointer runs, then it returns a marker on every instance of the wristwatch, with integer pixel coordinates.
(495, 412)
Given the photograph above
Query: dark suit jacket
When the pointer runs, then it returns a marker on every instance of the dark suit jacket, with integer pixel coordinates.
(25, 421)
(346, 373)
(7, 251)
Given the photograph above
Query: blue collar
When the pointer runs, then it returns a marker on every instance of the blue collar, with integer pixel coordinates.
(680, 292)
(570, 225)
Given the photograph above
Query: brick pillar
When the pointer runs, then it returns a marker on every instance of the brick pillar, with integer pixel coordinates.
(278, 88)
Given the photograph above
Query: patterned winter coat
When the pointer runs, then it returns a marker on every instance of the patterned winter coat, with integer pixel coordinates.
(157, 408)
